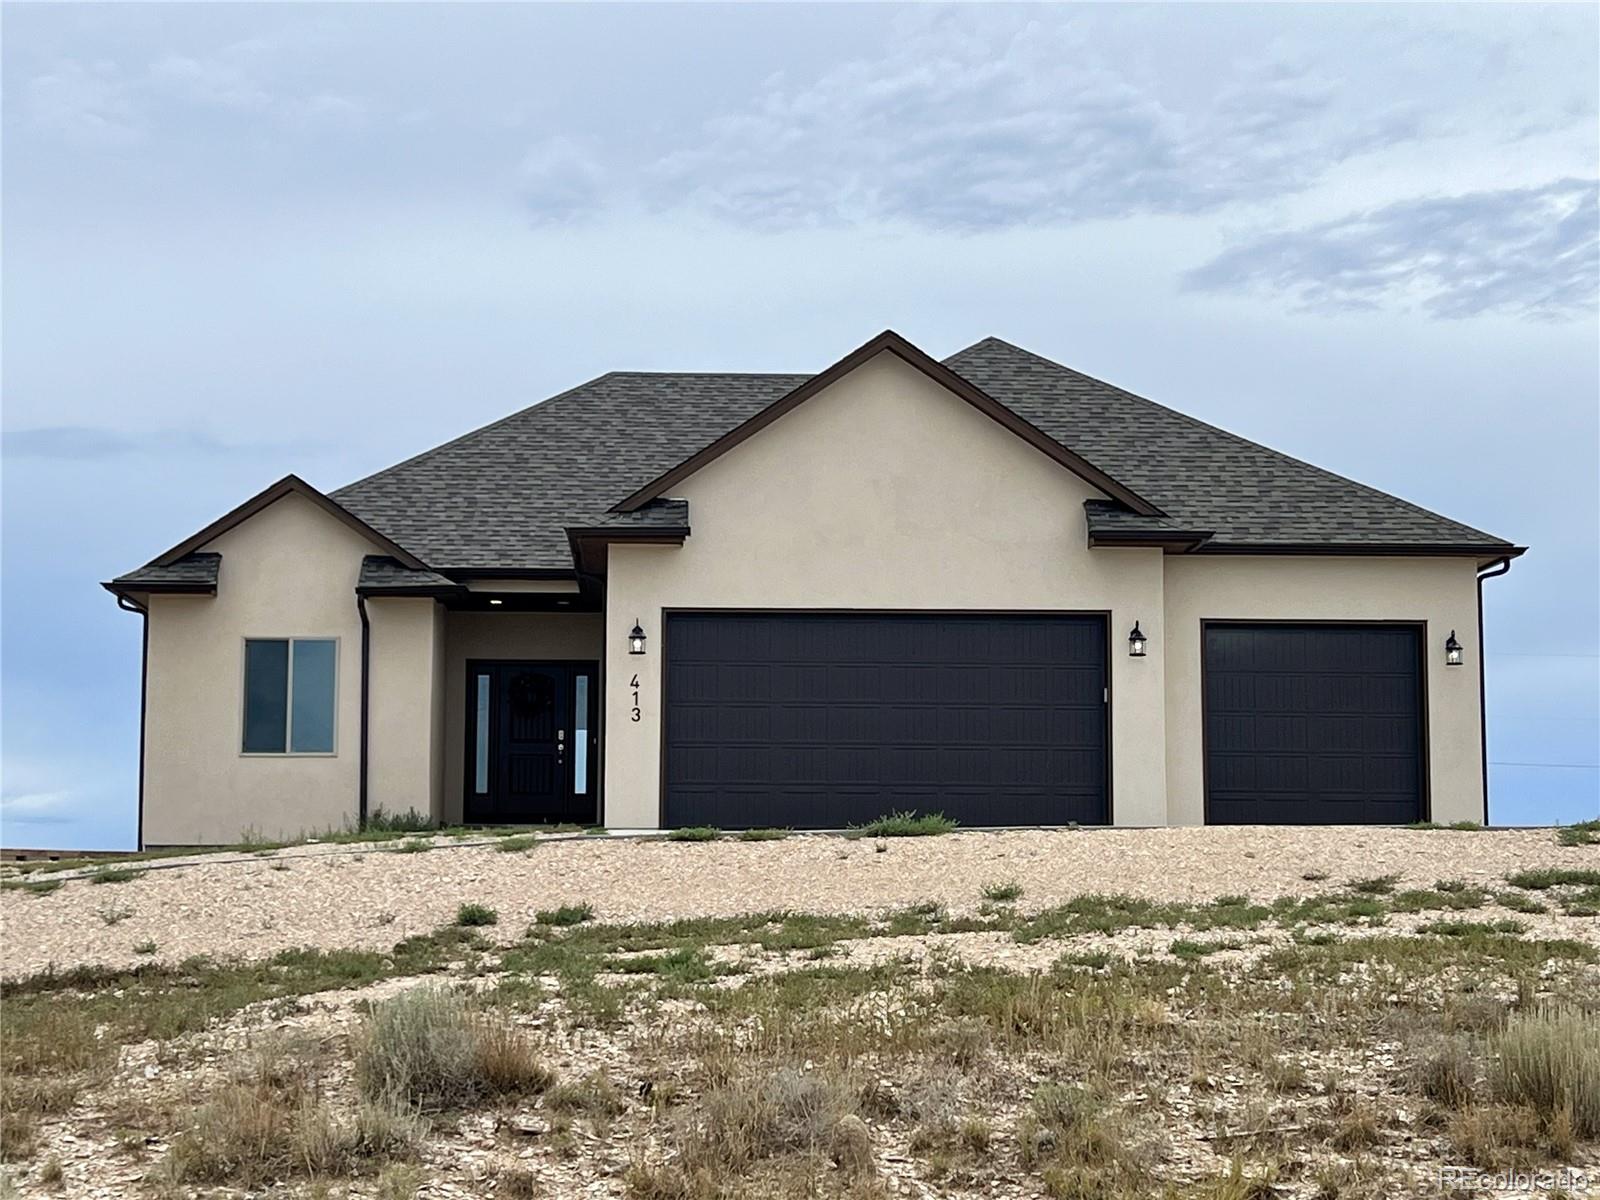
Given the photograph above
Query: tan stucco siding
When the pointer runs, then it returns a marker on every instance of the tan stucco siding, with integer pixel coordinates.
(405, 728)
(1439, 591)
(472, 635)
(289, 571)
(884, 491)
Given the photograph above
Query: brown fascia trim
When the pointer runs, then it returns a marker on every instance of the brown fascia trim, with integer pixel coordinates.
(465, 573)
(131, 590)
(1175, 541)
(287, 486)
(400, 593)
(892, 342)
(1360, 549)
(585, 542)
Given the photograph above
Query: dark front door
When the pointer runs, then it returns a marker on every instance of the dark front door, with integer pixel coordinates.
(1314, 724)
(531, 743)
(823, 720)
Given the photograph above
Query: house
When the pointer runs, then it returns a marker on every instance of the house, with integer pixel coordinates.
(989, 586)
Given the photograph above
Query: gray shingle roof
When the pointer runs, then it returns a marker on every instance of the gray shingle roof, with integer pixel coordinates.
(503, 496)
(666, 515)
(1197, 474)
(380, 574)
(193, 572)
(1110, 519)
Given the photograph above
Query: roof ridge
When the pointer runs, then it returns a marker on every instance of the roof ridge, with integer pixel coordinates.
(472, 433)
(1239, 438)
(716, 374)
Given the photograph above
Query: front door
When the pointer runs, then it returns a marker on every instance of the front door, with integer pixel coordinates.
(531, 743)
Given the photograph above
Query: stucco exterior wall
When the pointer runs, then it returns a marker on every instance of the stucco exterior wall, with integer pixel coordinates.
(512, 635)
(289, 571)
(405, 771)
(1439, 591)
(884, 491)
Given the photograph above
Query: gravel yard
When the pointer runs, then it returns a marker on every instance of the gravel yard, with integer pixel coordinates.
(369, 896)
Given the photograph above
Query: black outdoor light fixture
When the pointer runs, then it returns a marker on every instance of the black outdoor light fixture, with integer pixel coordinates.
(1136, 642)
(636, 639)
(1452, 650)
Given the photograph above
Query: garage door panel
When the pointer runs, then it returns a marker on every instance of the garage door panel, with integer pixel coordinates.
(1313, 724)
(990, 719)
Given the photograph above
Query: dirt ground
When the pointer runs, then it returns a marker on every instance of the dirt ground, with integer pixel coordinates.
(368, 896)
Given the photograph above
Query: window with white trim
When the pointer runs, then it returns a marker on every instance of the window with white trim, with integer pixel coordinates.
(289, 690)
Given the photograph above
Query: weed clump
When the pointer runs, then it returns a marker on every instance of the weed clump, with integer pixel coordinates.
(1549, 1060)
(429, 1049)
(907, 824)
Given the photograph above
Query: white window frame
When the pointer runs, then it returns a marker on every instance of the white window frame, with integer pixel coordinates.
(288, 712)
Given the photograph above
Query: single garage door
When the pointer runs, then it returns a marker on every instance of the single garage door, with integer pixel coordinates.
(1313, 724)
(823, 720)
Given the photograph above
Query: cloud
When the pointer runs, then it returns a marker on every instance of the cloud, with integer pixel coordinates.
(560, 179)
(1525, 252)
(84, 101)
(85, 443)
(104, 102)
(973, 121)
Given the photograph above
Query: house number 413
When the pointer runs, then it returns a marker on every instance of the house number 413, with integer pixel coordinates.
(633, 713)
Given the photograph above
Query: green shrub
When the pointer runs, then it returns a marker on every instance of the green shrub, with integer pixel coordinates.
(1541, 878)
(115, 875)
(1003, 893)
(764, 835)
(1378, 885)
(516, 843)
(694, 833)
(1584, 833)
(907, 824)
(38, 887)
(476, 914)
(380, 820)
(1550, 1060)
(567, 914)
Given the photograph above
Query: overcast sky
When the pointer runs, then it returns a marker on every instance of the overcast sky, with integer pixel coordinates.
(241, 241)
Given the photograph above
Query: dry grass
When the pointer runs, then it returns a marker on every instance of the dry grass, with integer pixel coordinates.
(789, 1111)
(271, 1122)
(1447, 1072)
(430, 1049)
(785, 1055)
(1550, 1061)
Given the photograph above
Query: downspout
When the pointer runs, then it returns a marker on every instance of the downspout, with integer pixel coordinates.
(127, 605)
(1494, 569)
(366, 663)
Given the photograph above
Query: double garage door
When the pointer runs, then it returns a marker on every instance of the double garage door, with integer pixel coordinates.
(823, 720)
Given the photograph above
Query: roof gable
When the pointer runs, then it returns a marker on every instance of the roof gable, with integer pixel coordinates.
(289, 485)
(1249, 496)
(502, 497)
(891, 343)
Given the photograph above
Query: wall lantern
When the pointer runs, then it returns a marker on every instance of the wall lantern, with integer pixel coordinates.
(636, 639)
(1136, 642)
(1452, 650)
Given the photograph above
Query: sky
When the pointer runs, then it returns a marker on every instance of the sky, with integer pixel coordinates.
(241, 241)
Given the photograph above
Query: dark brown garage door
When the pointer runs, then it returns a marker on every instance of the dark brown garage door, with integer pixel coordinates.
(1313, 724)
(823, 720)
